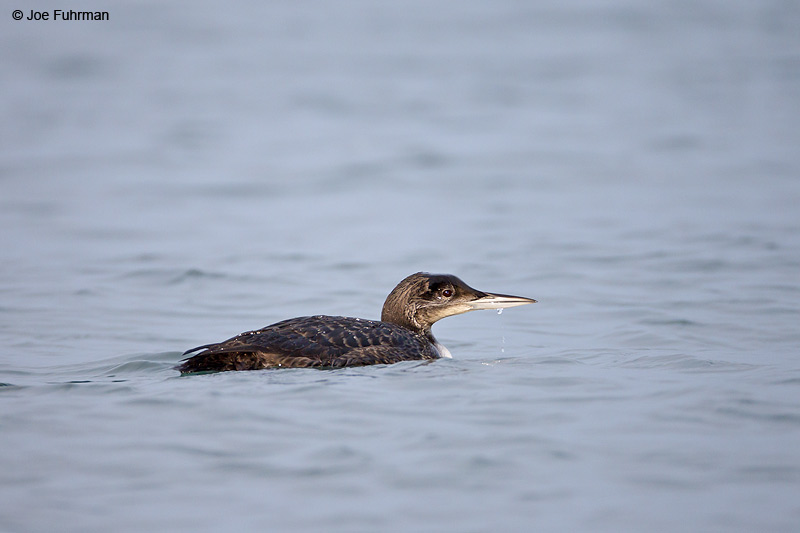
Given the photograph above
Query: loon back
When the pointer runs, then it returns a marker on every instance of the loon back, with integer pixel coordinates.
(314, 341)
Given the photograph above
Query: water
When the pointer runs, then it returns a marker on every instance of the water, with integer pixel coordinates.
(183, 173)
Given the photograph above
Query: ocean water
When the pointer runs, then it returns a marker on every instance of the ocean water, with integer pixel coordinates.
(182, 173)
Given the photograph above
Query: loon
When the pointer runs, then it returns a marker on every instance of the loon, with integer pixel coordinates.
(402, 334)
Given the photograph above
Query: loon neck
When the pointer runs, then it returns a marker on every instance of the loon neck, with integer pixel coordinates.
(405, 316)
(409, 323)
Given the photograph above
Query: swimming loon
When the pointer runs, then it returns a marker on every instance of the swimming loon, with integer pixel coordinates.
(402, 334)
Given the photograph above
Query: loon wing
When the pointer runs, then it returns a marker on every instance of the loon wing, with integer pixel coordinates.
(319, 341)
(255, 358)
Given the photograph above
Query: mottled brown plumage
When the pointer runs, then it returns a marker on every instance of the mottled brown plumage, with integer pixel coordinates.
(404, 332)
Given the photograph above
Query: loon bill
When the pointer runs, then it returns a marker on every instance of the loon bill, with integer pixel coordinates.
(402, 334)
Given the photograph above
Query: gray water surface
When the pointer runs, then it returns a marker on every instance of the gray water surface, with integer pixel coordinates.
(179, 174)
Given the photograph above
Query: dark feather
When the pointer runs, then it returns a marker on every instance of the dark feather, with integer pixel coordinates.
(317, 341)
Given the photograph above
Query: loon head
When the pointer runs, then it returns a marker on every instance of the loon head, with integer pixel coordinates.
(421, 299)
